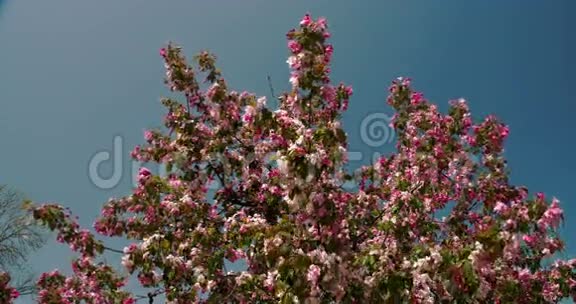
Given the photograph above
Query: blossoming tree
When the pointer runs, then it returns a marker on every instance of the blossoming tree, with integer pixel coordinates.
(282, 207)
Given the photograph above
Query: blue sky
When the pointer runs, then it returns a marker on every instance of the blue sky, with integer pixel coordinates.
(74, 74)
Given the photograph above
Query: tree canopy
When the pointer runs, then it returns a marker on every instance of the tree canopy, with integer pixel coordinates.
(282, 209)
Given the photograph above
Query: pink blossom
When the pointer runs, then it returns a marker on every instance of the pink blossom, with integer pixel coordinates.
(294, 46)
(313, 274)
(148, 135)
(306, 20)
(500, 208)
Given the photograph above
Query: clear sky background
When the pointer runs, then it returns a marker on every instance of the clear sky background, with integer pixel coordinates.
(73, 74)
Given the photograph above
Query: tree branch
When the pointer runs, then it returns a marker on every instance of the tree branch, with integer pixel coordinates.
(271, 87)
(113, 250)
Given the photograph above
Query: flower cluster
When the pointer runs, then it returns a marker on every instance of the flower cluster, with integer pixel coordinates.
(7, 293)
(282, 210)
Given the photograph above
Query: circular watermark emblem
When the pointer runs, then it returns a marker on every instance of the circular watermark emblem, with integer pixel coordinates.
(376, 131)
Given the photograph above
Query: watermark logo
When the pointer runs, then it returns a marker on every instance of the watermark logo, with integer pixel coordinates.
(375, 131)
(104, 156)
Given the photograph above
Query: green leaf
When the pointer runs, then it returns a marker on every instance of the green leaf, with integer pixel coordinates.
(165, 244)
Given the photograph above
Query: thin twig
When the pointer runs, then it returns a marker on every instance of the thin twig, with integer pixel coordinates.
(270, 86)
(113, 250)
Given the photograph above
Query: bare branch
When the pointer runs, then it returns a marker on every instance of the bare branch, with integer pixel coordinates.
(19, 236)
(113, 250)
(271, 87)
